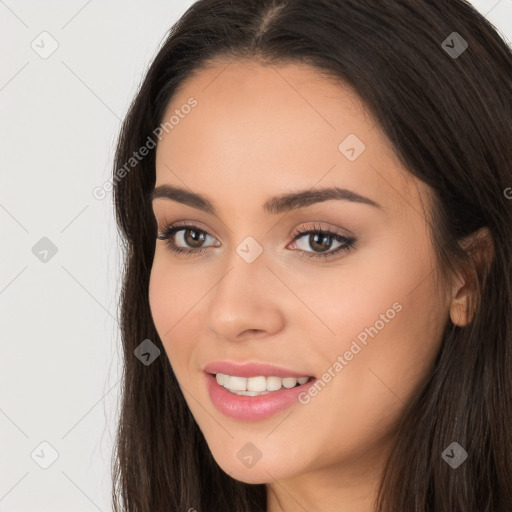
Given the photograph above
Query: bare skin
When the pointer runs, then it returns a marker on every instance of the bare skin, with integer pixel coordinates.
(257, 132)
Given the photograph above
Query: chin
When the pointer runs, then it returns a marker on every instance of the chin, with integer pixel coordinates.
(261, 472)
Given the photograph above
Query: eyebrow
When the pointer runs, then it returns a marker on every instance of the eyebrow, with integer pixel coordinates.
(275, 205)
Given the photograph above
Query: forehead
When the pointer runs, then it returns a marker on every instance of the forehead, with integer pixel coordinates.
(262, 129)
(248, 99)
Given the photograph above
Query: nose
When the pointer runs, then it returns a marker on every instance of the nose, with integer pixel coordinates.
(246, 302)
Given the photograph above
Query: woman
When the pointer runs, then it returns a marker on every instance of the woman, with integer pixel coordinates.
(316, 311)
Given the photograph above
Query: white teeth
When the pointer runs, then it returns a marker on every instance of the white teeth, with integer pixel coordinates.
(289, 382)
(274, 383)
(257, 384)
(250, 393)
(254, 386)
(237, 383)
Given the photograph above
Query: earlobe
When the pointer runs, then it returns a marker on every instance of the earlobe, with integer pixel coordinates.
(480, 248)
(459, 309)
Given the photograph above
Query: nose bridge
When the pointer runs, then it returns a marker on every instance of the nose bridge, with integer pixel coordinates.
(244, 298)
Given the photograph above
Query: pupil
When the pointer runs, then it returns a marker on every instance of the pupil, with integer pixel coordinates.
(323, 239)
(197, 238)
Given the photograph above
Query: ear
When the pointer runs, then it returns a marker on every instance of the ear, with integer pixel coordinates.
(480, 247)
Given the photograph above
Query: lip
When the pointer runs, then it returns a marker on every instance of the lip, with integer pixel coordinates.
(252, 408)
(251, 370)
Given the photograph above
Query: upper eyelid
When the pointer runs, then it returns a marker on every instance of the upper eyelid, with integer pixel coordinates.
(348, 242)
(298, 232)
(184, 224)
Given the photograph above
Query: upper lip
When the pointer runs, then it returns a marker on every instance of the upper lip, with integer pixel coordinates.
(251, 370)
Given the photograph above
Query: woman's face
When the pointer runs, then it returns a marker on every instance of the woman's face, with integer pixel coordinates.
(364, 324)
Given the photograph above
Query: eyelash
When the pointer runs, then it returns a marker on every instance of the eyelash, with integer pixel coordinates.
(349, 243)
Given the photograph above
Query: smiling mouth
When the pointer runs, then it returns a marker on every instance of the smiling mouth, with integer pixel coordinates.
(260, 385)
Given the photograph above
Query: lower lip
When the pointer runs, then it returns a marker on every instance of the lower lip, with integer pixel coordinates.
(252, 408)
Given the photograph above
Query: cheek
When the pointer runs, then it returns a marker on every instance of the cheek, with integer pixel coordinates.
(161, 296)
(386, 318)
(172, 292)
(173, 296)
(400, 353)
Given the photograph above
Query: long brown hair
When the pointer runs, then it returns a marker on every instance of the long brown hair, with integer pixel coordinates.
(448, 116)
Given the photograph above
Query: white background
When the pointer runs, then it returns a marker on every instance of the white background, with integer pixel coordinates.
(60, 346)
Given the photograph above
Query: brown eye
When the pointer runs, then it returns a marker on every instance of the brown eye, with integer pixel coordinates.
(185, 239)
(320, 241)
(193, 238)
